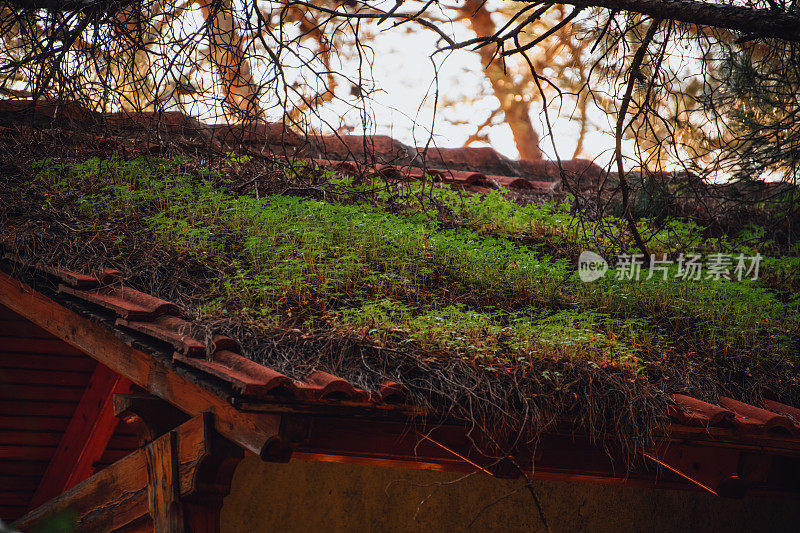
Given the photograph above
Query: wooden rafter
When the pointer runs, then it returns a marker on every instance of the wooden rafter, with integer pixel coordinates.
(85, 438)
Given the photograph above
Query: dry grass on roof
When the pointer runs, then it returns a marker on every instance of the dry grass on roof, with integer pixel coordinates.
(472, 302)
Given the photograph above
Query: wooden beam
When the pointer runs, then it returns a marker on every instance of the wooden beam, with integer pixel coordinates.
(202, 508)
(110, 499)
(85, 438)
(153, 480)
(256, 432)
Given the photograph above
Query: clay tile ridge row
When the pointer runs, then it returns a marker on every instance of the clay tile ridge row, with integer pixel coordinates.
(219, 356)
(772, 417)
(255, 380)
(454, 177)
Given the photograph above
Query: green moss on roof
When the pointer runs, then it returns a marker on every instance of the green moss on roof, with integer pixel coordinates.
(476, 283)
(472, 302)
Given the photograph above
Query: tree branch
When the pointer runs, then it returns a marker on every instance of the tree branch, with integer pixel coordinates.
(623, 182)
(762, 23)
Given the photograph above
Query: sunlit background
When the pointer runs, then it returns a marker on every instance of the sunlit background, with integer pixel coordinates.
(401, 86)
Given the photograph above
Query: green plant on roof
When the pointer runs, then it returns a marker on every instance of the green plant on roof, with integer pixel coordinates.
(423, 267)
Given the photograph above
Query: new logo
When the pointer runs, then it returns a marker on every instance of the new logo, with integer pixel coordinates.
(591, 266)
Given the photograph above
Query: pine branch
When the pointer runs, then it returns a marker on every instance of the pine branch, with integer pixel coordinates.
(755, 23)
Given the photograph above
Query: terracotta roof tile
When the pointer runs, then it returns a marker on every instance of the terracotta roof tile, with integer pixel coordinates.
(786, 410)
(464, 177)
(475, 159)
(542, 168)
(172, 329)
(78, 280)
(392, 392)
(127, 303)
(693, 412)
(71, 111)
(324, 386)
(751, 418)
(256, 133)
(509, 182)
(245, 376)
(369, 149)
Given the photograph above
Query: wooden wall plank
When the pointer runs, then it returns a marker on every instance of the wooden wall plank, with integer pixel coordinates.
(32, 408)
(14, 497)
(163, 491)
(30, 361)
(20, 483)
(43, 377)
(42, 346)
(29, 438)
(19, 468)
(24, 392)
(11, 511)
(25, 453)
(38, 423)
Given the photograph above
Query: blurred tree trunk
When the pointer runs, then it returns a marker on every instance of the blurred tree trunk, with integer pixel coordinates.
(239, 90)
(130, 63)
(512, 100)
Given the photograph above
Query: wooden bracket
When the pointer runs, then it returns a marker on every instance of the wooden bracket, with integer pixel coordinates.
(294, 431)
(149, 416)
(202, 506)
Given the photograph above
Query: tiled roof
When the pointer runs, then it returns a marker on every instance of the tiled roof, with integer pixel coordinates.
(221, 359)
(218, 357)
(218, 362)
(477, 170)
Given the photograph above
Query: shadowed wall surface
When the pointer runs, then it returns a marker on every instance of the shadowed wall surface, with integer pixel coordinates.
(306, 496)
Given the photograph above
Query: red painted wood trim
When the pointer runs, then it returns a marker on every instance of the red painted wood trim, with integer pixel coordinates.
(86, 436)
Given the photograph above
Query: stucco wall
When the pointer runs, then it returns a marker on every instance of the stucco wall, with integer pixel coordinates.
(302, 496)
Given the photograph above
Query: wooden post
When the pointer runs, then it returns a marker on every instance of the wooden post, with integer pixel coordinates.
(202, 507)
(164, 484)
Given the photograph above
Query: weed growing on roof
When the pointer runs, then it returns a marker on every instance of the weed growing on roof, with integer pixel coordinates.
(392, 266)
